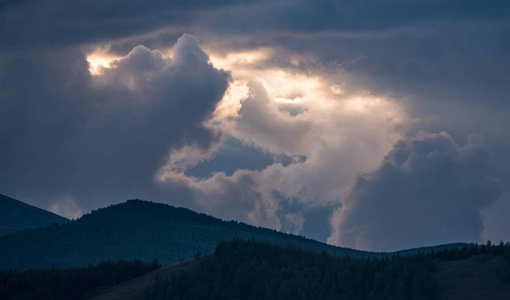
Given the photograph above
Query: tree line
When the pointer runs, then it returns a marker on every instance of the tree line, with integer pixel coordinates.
(259, 270)
(70, 283)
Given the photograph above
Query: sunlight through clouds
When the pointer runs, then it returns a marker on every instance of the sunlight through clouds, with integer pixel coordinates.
(99, 59)
(265, 112)
(329, 133)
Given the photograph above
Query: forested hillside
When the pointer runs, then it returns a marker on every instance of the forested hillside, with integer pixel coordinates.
(256, 270)
(66, 284)
(16, 215)
(136, 230)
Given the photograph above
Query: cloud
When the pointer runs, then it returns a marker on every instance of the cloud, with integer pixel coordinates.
(293, 223)
(67, 207)
(496, 221)
(325, 145)
(427, 190)
(94, 137)
(331, 140)
(245, 196)
(63, 24)
(330, 86)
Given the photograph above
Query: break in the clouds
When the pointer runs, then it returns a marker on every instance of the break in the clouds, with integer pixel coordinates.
(292, 115)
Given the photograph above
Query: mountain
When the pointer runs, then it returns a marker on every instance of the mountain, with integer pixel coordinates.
(142, 230)
(137, 230)
(16, 215)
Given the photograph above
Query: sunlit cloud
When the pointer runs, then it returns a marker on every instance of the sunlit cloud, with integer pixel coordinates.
(240, 59)
(329, 133)
(231, 102)
(282, 85)
(99, 59)
(336, 89)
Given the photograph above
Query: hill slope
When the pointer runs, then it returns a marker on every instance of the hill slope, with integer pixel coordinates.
(482, 276)
(254, 270)
(16, 215)
(136, 230)
(476, 277)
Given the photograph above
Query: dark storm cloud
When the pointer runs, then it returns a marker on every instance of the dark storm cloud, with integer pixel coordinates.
(66, 133)
(315, 16)
(59, 22)
(55, 22)
(427, 190)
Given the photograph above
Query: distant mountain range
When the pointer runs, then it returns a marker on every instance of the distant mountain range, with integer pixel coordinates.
(141, 230)
(16, 215)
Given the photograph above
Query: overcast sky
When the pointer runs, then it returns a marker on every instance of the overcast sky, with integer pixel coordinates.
(373, 125)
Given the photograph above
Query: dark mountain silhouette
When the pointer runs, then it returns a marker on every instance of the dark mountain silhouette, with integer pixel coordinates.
(137, 230)
(141, 230)
(16, 215)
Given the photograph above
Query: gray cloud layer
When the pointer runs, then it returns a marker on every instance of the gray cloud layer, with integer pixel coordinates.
(64, 23)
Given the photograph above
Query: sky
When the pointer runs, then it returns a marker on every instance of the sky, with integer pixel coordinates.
(365, 124)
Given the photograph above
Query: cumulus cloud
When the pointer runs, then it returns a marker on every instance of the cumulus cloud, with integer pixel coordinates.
(427, 190)
(331, 140)
(326, 145)
(105, 135)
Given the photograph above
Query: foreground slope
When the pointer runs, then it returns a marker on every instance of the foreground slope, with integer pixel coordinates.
(136, 230)
(16, 215)
(482, 276)
(136, 289)
(254, 270)
(71, 283)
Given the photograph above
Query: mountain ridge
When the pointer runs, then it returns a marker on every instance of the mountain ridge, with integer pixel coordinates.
(16, 215)
(136, 229)
(139, 229)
